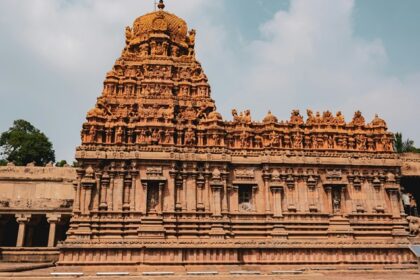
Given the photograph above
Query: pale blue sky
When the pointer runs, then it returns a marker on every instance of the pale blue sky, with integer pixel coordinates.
(259, 54)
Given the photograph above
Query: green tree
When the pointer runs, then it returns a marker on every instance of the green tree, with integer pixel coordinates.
(61, 163)
(404, 146)
(23, 144)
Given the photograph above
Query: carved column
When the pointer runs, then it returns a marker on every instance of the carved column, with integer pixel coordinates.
(225, 196)
(277, 207)
(96, 191)
(207, 192)
(184, 191)
(395, 203)
(103, 205)
(217, 189)
(76, 205)
(52, 219)
(178, 184)
(328, 207)
(110, 194)
(133, 190)
(266, 178)
(87, 184)
(77, 191)
(144, 203)
(161, 202)
(234, 200)
(172, 191)
(126, 192)
(22, 220)
(200, 191)
(254, 198)
(193, 192)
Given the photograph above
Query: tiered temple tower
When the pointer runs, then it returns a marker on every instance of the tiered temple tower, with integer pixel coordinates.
(163, 179)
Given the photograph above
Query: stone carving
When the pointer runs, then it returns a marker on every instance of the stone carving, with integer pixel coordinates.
(296, 118)
(414, 225)
(358, 119)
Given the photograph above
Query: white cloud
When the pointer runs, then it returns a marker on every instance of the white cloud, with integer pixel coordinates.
(309, 57)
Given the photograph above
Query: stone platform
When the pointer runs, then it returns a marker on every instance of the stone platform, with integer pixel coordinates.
(224, 273)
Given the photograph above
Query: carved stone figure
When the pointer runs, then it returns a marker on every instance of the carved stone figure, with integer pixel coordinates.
(358, 119)
(414, 225)
(296, 118)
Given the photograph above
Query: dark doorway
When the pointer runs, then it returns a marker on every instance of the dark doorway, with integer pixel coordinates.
(336, 200)
(62, 228)
(9, 231)
(152, 197)
(37, 232)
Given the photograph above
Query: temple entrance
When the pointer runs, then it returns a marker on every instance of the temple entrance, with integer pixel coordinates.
(9, 233)
(152, 197)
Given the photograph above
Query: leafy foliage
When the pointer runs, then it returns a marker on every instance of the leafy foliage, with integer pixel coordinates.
(404, 146)
(23, 144)
(61, 163)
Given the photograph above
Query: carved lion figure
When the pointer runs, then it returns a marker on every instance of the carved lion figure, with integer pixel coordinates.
(414, 225)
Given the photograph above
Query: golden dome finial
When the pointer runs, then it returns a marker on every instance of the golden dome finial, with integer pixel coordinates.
(161, 5)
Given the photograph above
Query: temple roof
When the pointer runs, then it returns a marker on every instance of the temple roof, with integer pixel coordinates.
(157, 95)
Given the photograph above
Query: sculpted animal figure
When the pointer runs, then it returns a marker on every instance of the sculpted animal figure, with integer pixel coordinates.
(414, 225)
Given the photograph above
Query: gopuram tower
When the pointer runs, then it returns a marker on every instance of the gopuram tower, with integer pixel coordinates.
(163, 179)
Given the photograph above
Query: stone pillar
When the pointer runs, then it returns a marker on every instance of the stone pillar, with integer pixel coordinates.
(110, 197)
(207, 192)
(200, 190)
(144, 202)
(103, 205)
(266, 177)
(344, 206)
(126, 192)
(76, 207)
(234, 200)
(178, 186)
(277, 207)
(133, 190)
(22, 220)
(225, 207)
(184, 192)
(216, 199)
(161, 202)
(52, 219)
(395, 203)
(254, 190)
(172, 189)
(328, 207)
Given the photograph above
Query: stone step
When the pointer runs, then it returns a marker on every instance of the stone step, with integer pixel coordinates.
(112, 273)
(245, 272)
(202, 273)
(66, 273)
(360, 268)
(324, 268)
(286, 272)
(157, 273)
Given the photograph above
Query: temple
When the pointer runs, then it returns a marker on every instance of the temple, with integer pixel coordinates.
(164, 179)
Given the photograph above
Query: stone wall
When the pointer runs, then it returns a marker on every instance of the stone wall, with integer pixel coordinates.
(35, 210)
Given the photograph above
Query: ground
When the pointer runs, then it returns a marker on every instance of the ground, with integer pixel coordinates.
(44, 273)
